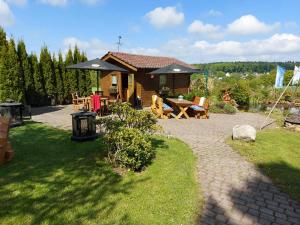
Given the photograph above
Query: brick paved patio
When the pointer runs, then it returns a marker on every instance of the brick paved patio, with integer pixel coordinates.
(235, 191)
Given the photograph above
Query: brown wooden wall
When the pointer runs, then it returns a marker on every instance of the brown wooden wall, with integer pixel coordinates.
(145, 86)
(106, 81)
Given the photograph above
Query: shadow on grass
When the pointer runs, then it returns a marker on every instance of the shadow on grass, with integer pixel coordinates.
(57, 181)
(257, 202)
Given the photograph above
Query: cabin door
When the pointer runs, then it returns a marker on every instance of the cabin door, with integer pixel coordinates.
(124, 87)
(130, 90)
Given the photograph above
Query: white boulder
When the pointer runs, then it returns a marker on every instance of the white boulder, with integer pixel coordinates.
(244, 132)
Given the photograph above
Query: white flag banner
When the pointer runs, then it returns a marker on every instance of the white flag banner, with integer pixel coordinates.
(296, 78)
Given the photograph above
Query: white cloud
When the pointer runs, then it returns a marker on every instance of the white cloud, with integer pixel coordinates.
(94, 47)
(17, 2)
(277, 47)
(143, 51)
(214, 13)
(91, 2)
(206, 30)
(66, 2)
(165, 17)
(249, 24)
(6, 16)
(55, 2)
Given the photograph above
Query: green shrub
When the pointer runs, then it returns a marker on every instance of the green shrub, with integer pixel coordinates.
(127, 136)
(229, 109)
(222, 107)
(241, 93)
(130, 148)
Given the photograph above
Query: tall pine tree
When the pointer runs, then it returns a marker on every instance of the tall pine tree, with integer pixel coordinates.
(59, 74)
(76, 75)
(11, 81)
(39, 86)
(3, 51)
(85, 81)
(48, 73)
(69, 76)
(3, 41)
(27, 81)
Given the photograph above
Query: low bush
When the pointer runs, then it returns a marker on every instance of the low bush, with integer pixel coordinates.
(130, 148)
(241, 93)
(222, 107)
(230, 109)
(127, 136)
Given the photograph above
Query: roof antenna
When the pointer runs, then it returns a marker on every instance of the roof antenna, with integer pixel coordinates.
(119, 42)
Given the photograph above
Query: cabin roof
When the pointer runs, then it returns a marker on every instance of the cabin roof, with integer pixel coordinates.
(146, 61)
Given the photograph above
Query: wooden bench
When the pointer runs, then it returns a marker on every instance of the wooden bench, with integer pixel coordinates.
(200, 107)
(160, 109)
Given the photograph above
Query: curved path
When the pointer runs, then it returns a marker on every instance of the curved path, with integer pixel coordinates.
(235, 191)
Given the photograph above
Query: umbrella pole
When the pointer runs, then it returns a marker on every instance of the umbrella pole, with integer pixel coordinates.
(98, 75)
(173, 85)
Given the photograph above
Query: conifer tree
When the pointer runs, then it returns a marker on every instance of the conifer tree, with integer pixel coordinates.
(3, 50)
(81, 77)
(69, 75)
(27, 82)
(48, 72)
(39, 87)
(62, 69)
(76, 75)
(11, 84)
(3, 41)
(59, 73)
(85, 80)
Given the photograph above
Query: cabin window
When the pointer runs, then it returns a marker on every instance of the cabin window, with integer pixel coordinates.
(114, 80)
(162, 80)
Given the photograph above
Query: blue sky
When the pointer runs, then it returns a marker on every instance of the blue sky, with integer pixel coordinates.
(195, 31)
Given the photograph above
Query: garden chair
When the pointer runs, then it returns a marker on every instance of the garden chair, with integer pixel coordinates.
(200, 108)
(153, 103)
(77, 102)
(160, 109)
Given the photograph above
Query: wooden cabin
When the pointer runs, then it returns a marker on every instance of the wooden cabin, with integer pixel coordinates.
(138, 83)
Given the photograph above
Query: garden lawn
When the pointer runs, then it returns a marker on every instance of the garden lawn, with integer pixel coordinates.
(55, 181)
(277, 153)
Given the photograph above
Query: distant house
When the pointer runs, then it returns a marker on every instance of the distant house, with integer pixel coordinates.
(138, 83)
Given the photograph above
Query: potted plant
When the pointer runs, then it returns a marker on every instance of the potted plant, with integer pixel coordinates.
(113, 90)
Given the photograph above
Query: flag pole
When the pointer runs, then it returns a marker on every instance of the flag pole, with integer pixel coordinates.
(263, 125)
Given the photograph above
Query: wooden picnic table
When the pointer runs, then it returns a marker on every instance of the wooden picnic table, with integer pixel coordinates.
(182, 105)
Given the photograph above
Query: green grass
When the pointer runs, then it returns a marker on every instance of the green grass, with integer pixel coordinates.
(277, 153)
(55, 181)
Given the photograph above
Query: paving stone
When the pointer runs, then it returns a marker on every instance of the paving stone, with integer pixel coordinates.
(267, 217)
(275, 208)
(283, 222)
(281, 216)
(294, 220)
(267, 211)
(253, 212)
(262, 221)
(221, 218)
(253, 206)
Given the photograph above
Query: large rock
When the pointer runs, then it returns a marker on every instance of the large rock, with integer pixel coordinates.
(244, 132)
